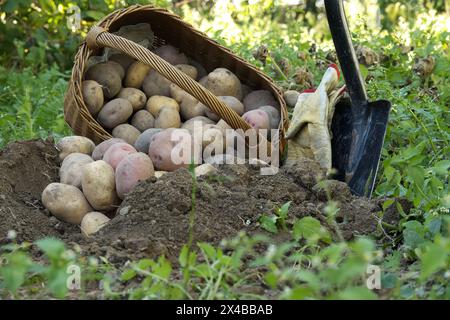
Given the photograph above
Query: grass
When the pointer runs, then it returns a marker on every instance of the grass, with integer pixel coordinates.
(414, 264)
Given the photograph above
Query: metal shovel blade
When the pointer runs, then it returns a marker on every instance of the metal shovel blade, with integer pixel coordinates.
(358, 126)
(357, 142)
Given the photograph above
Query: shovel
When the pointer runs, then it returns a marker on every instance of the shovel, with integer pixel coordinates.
(358, 126)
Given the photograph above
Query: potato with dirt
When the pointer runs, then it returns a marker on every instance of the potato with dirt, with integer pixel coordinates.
(115, 112)
(155, 84)
(126, 132)
(101, 148)
(116, 153)
(200, 120)
(172, 149)
(156, 103)
(118, 67)
(191, 71)
(171, 54)
(92, 222)
(133, 168)
(65, 202)
(143, 141)
(211, 138)
(143, 120)
(136, 97)
(168, 118)
(136, 74)
(259, 98)
(107, 76)
(92, 96)
(230, 102)
(74, 144)
(99, 186)
(70, 170)
(274, 116)
(222, 82)
(122, 59)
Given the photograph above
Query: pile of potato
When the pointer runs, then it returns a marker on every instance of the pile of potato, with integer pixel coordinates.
(144, 111)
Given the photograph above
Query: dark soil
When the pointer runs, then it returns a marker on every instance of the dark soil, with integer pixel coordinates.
(154, 218)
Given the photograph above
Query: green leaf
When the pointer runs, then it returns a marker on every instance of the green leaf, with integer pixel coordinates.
(13, 274)
(432, 260)
(308, 228)
(208, 250)
(357, 293)
(53, 248)
(283, 211)
(128, 274)
(269, 223)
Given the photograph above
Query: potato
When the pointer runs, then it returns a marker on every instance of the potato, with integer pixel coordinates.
(133, 168)
(72, 144)
(124, 60)
(168, 118)
(172, 149)
(143, 120)
(257, 119)
(99, 186)
(70, 171)
(92, 222)
(245, 90)
(231, 102)
(201, 72)
(259, 98)
(171, 54)
(115, 112)
(156, 85)
(117, 152)
(92, 96)
(291, 97)
(101, 148)
(190, 108)
(143, 141)
(136, 74)
(222, 82)
(211, 138)
(107, 76)
(126, 132)
(118, 67)
(187, 69)
(136, 97)
(189, 124)
(204, 169)
(274, 115)
(65, 202)
(156, 103)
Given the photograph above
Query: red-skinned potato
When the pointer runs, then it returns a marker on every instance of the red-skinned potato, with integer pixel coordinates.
(274, 115)
(117, 152)
(126, 132)
(143, 120)
(74, 144)
(172, 149)
(101, 148)
(92, 96)
(65, 202)
(133, 168)
(257, 119)
(136, 97)
(115, 112)
(136, 74)
(70, 170)
(99, 186)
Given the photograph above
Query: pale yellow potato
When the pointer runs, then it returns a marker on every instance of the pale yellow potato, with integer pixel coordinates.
(204, 169)
(92, 96)
(136, 97)
(211, 138)
(73, 144)
(126, 132)
(168, 118)
(222, 82)
(99, 186)
(107, 76)
(115, 112)
(70, 170)
(92, 222)
(136, 74)
(191, 71)
(190, 108)
(156, 103)
(118, 67)
(65, 202)
(156, 85)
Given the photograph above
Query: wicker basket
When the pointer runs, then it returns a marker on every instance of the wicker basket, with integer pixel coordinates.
(168, 28)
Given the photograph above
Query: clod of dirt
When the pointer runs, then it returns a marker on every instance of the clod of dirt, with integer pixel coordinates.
(366, 56)
(425, 66)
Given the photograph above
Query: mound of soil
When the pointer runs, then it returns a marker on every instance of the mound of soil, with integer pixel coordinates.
(154, 218)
